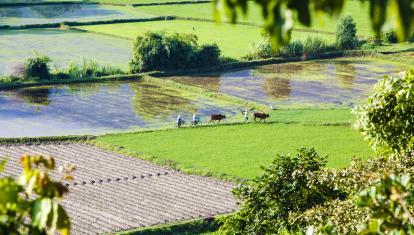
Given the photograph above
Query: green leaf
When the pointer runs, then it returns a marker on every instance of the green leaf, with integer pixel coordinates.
(40, 212)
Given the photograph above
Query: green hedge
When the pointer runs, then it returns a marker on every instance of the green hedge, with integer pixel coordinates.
(38, 140)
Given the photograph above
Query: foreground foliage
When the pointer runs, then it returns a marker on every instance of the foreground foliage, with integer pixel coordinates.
(287, 186)
(390, 202)
(387, 121)
(279, 15)
(29, 206)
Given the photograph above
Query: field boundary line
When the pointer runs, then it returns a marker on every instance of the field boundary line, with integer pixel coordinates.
(86, 23)
(46, 139)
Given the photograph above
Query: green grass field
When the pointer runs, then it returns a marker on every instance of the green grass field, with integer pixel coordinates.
(234, 40)
(360, 13)
(240, 150)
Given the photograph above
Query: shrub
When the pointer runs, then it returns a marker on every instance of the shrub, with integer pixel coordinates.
(346, 34)
(37, 67)
(387, 121)
(30, 205)
(161, 51)
(290, 184)
(390, 37)
(208, 56)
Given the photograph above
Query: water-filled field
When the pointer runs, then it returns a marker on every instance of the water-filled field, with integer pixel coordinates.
(99, 108)
(338, 82)
(42, 14)
(62, 46)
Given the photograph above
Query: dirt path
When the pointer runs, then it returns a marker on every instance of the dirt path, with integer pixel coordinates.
(112, 192)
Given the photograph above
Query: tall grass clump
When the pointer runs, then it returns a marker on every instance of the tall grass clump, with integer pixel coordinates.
(90, 68)
(311, 46)
(162, 51)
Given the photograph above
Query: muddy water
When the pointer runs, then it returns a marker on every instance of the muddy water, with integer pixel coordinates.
(98, 108)
(341, 82)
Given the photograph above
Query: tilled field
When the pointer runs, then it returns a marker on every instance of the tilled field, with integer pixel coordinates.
(112, 192)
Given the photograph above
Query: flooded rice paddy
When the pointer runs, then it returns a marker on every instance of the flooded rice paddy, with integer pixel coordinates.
(120, 106)
(62, 46)
(337, 82)
(99, 108)
(44, 14)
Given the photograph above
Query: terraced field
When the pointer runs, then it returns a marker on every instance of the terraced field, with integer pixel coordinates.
(43, 14)
(62, 46)
(113, 193)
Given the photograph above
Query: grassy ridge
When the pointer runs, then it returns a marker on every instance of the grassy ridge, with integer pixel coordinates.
(240, 150)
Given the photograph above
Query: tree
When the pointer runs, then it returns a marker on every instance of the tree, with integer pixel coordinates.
(29, 205)
(279, 15)
(346, 34)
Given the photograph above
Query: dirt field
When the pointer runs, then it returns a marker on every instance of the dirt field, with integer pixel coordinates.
(112, 193)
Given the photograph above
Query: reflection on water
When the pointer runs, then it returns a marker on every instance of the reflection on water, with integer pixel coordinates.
(152, 102)
(40, 14)
(342, 82)
(34, 96)
(277, 88)
(98, 108)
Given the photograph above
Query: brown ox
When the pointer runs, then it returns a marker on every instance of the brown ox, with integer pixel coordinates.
(217, 117)
(261, 116)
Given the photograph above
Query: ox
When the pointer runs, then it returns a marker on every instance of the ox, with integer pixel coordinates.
(261, 116)
(217, 117)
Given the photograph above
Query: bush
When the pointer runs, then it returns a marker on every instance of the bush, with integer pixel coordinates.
(346, 38)
(161, 51)
(208, 56)
(387, 121)
(288, 185)
(37, 67)
(390, 37)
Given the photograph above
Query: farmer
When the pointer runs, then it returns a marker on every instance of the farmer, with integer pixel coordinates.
(245, 113)
(180, 121)
(196, 119)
